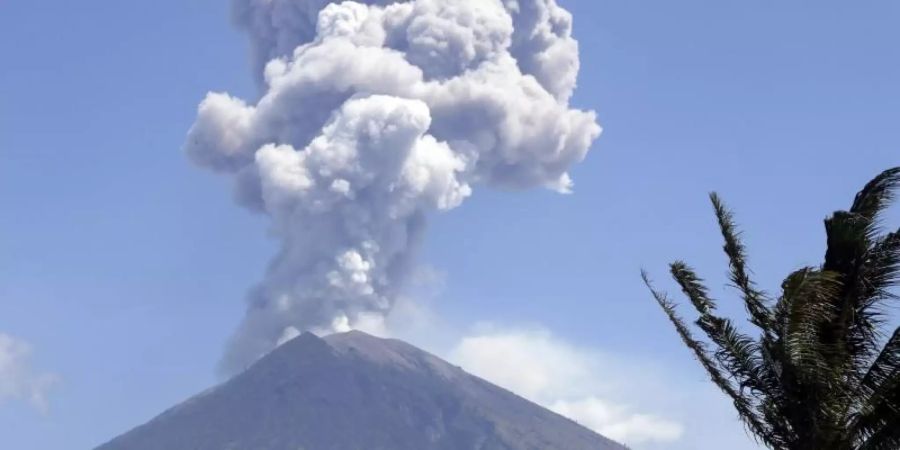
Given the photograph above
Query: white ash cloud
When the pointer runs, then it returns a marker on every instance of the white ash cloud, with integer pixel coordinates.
(372, 115)
(18, 379)
(541, 39)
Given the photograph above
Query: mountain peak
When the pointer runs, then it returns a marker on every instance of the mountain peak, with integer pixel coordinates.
(351, 391)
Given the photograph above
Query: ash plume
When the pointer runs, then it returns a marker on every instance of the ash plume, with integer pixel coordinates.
(373, 115)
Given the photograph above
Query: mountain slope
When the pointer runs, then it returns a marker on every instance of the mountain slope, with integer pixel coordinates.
(356, 392)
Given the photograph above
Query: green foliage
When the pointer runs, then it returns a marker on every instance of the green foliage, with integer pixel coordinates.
(820, 372)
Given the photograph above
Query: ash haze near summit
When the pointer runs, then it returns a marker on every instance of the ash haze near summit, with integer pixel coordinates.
(371, 116)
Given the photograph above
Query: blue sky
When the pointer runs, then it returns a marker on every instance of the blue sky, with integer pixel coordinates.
(125, 267)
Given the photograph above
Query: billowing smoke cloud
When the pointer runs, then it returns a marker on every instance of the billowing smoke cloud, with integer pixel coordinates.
(373, 115)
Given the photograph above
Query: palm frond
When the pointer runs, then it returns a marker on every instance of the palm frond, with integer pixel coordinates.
(877, 194)
(693, 287)
(737, 353)
(754, 299)
(887, 438)
(817, 376)
(868, 265)
(879, 394)
(742, 403)
(807, 307)
(877, 426)
(882, 269)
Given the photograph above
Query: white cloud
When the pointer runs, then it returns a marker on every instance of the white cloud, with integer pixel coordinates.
(617, 422)
(18, 380)
(574, 382)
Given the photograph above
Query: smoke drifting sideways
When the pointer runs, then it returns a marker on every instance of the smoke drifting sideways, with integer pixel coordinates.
(373, 115)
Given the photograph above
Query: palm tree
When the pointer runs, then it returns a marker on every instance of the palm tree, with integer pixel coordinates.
(820, 373)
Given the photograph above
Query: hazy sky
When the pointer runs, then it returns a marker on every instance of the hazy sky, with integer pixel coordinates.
(123, 268)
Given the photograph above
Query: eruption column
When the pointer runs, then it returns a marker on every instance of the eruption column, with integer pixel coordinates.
(372, 115)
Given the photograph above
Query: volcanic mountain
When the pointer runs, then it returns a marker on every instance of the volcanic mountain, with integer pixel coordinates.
(353, 391)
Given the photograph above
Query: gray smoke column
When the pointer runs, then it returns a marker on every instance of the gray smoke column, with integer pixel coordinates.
(372, 115)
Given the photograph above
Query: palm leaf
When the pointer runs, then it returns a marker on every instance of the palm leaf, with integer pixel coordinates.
(877, 194)
(817, 377)
(879, 394)
(738, 354)
(742, 403)
(754, 299)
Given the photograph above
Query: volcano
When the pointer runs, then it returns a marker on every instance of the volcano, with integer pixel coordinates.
(353, 391)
